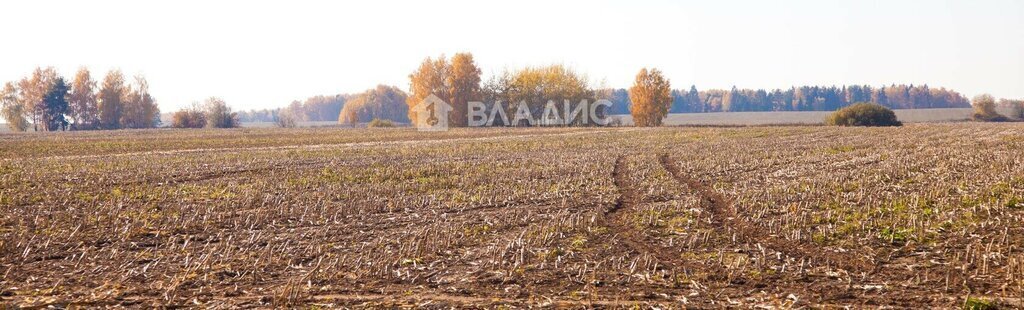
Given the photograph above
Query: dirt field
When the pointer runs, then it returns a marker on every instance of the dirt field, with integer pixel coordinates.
(923, 216)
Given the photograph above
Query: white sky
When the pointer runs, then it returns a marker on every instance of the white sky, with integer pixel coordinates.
(262, 54)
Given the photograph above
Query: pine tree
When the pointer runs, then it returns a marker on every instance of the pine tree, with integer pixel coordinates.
(55, 106)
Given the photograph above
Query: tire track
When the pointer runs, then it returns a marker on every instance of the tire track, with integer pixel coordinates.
(214, 175)
(614, 218)
(870, 272)
(725, 213)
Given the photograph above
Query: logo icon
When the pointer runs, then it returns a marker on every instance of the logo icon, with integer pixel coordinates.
(432, 114)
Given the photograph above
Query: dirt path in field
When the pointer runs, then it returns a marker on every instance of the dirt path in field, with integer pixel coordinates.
(199, 177)
(720, 207)
(860, 271)
(615, 218)
(725, 213)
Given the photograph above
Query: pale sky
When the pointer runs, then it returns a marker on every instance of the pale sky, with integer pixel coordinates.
(263, 54)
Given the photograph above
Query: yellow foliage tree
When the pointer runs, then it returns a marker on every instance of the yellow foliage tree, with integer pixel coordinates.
(139, 107)
(536, 86)
(382, 102)
(33, 90)
(651, 98)
(985, 109)
(111, 100)
(84, 112)
(12, 109)
(457, 82)
(463, 87)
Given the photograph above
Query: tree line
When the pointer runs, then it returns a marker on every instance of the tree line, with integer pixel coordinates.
(45, 101)
(456, 80)
(803, 98)
(313, 109)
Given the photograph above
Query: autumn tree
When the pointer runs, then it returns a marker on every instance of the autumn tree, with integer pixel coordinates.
(351, 117)
(651, 98)
(47, 102)
(140, 109)
(457, 82)
(382, 102)
(464, 87)
(985, 109)
(219, 114)
(1016, 107)
(33, 90)
(111, 100)
(429, 79)
(536, 86)
(12, 109)
(83, 110)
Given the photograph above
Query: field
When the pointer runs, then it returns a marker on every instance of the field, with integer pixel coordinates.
(923, 216)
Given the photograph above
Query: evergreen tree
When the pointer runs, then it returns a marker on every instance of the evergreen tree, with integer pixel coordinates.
(55, 106)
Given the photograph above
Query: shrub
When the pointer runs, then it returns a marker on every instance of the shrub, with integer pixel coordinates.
(380, 123)
(192, 117)
(863, 114)
(285, 119)
(985, 109)
(1017, 107)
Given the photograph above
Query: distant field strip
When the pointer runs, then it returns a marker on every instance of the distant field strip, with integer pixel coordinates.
(327, 146)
